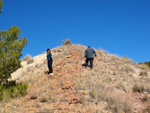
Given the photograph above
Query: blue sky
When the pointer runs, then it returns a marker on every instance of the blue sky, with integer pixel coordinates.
(120, 27)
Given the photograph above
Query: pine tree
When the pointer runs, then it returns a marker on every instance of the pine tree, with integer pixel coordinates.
(10, 52)
(1, 3)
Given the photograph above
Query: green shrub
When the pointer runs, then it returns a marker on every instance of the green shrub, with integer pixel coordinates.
(1, 3)
(67, 42)
(11, 47)
(13, 91)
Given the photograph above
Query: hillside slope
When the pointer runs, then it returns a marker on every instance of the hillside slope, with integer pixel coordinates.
(114, 85)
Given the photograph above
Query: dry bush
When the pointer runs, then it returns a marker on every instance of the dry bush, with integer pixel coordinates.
(43, 99)
(34, 97)
(37, 65)
(67, 42)
(122, 86)
(30, 69)
(82, 100)
(145, 98)
(147, 87)
(92, 94)
(30, 61)
(63, 99)
(147, 109)
(127, 107)
(143, 66)
(126, 60)
(127, 69)
(49, 109)
(57, 50)
(27, 57)
(143, 73)
(115, 105)
(52, 87)
(138, 88)
(52, 98)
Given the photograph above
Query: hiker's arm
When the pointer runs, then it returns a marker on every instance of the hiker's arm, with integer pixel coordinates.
(85, 55)
(94, 52)
(49, 56)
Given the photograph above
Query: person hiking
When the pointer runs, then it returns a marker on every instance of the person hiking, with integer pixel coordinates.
(89, 56)
(50, 62)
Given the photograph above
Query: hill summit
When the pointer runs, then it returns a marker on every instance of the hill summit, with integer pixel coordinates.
(114, 85)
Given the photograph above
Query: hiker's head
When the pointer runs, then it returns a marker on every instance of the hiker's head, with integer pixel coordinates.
(48, 50)
(89, 46)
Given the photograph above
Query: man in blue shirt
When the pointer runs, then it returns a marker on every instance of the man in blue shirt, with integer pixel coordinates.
(89, 55)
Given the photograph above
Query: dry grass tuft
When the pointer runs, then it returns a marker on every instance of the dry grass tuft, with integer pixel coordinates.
(67, 42)
(147, 109)
(115, 105)
(43, 99)
(138, 88)
(127, 107)
(143, 74)
(27, 57)
(34, 97)
(146, 98)
(30, 60)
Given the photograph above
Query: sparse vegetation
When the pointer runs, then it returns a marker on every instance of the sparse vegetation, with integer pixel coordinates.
(52, 98)
(147, 109)
(27, 57)
(127, 69)
(138, 88)
(111, 81)
(92, 94)
(67, 42)
(127, 107)
(30, 60)
(143, 73)
(117, 106)
(34, 97)
(127, 60)
(146, 98)
(146, 63)
(43, 99)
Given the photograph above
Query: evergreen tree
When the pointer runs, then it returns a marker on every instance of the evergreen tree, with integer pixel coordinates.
(10, 52)
(1, 3)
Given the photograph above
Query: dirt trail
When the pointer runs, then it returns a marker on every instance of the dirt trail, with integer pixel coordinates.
(58, 90)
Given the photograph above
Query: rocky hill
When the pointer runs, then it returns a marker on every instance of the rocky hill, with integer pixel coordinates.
(115, 85)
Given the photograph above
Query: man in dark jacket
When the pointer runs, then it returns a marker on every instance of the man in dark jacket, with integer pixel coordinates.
(89, 55)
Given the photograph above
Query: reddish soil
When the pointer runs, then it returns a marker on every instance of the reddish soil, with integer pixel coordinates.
(60, 88)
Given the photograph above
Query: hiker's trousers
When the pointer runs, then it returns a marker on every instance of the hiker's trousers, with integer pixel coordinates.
(91, 62)
(50, 66)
